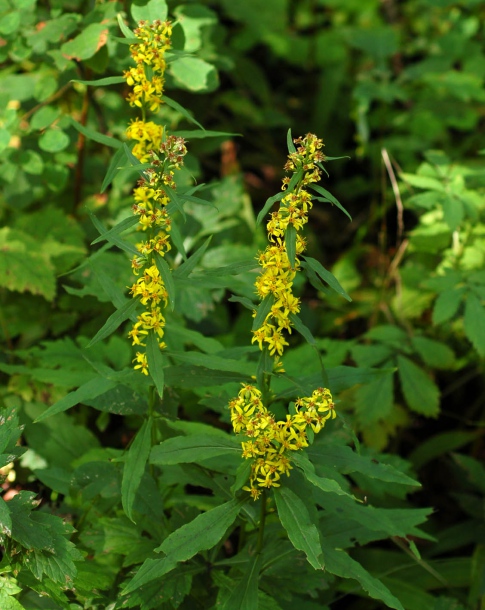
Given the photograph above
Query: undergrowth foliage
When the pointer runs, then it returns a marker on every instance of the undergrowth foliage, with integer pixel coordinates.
(163, 449)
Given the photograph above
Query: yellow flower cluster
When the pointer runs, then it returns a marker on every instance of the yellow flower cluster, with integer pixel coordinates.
(278, 273)
(148, 136)
(150, 206)
(270, 442)
(146, 77)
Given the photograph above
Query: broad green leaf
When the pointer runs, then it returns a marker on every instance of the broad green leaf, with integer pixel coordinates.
(114, 321)
(420, 392)
(474, 469)
(193, 448)
(423, 182)
(90, 389)
(339, 563)
(474, 323)
(176, 106)
(446, 305)
(209, 345)
(156, 362)
(326, 276)
(386, 333)
(262, 312)
(435, 354)
(44, 117)
(295, 518)
(194, 74)
(134, 466)
(86, 44)
(24, 530)
(187, 376)
(5, 519)
(189, 265)
(375, 400)
(290, 244)
(102, 82)
(453, 211)
(245, 595)
(54, 140)
(268, 205)
(439, 445)
(151, 10)
(329, 197)
(167, 278)
(201, 534)
(117, 229)
(346, 461)
(9, 603)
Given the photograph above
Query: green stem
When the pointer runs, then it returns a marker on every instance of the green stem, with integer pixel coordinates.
(152, 397)
(262, 520)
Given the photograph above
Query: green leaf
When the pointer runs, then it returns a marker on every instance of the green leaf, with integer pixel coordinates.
(245, 595)
(101, 82)
(420, 392)
(194, 74)
(9, 603)
(326, 485)
(174, 199)
(446, 305)
(193, 448)
(178, 240)
(114, 321)
(201, 534)
(117, 229)
(134, 466)
(289, 142)
(290, 244)
(5, 519)
(87, 43)
(439, 445)
(329, 197)
(295, 518)
(187, 376)
(262, 312)
(435, 354)
(150, 11)
(197, 134)
(90, 389)
(474, 322)
(326, 276)
(346, 461)
(423, 182)
(176, 106)
(243, 300)
(339, 563)
(268, 205)
(375, 400)
(127, 33)
(214, 362)
(167, 278)
(53, 140)
(302, 329)
(114, 239)
(114, 167)
(189, 265)
(232, 269)
(453, 211)
(156, 362)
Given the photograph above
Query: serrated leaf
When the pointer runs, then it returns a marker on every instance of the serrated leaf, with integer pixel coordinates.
(340, 564)
(325, 485)
(156, 362)
(474, 322)
(434, 353)
(187, 376)
(375, 400)
(114, 321)
(134, 466)
(302, 532)
(244, 595)
(329, 197)
(420, 392)
(201, 534)
(5, 519)
(262, 312)
(90, 389)
(214, 362)
(326, 276)
(268, 205)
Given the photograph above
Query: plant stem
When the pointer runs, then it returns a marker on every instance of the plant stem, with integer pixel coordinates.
(262, 520)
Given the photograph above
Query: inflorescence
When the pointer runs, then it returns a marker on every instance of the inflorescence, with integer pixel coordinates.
(269, 443)
(278, 274)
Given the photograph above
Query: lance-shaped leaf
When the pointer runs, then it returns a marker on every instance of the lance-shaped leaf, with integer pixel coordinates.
(302, 532)
(117, 229)
(474, 322)
(101, 82)
(94, 135)
(329, 197)
(244, 301)
(127, 33)
(289, 142)
(302, 329)
(268, 205)
(263, 310)
(185, 113)
(178, 240)
(92, 388)
(290, 244)
(328, 277)
(113, 168)
(134, 467)
(233, 268)
(201, 534)
(114, 321)
(156, 362)
(167, 278)
(193, 448)
(189, 265)
(115, 240)
(175, 200)
(245, 595)
(197, 134)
